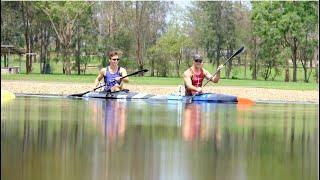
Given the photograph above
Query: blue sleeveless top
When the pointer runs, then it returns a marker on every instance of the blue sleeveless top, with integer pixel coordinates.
(109, 79)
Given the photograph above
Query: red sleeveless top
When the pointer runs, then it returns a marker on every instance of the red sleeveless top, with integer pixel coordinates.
(196, 80)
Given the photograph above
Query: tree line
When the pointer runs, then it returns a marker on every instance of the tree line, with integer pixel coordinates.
(278, 36)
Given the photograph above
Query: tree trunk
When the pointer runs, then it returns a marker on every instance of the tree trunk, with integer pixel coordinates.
(44, 53)
(229, 64)
(66, 62)
(178, 60)
(286, 71)
(254, 72)
(57, 43)
(245, 66)
(152, 67)
(5, 61)
(78, 51)
(294, 60)
(304, 62)
(47, 69)
(42, 58)
(218, 55)
(305, 72)
(25, 17)
(316, 59)
(255, 56)
(317, 70)
(138, 35)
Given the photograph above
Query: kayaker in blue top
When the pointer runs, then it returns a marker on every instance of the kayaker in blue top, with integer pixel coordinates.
(112, 74)
(194, 76)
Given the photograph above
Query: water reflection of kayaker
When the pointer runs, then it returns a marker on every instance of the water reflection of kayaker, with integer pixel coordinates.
(111, 120)
(191, 126)
(197, 124)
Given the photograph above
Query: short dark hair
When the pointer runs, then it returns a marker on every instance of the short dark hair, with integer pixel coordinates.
(113, 53)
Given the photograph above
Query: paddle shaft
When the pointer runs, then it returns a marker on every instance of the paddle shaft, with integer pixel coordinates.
(235, 54)
(79, 95)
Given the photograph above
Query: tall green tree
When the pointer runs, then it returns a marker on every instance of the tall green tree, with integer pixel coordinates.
(27, 11)
(170, 46)
(243, 35)
(287, 23)
(217, 29)
(131, 27)
(63, 16)
(11, 24)
(298, 20)
(143, 16)
(269, 36)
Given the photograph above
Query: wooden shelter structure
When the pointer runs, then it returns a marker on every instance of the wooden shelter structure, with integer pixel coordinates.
(6, 52)
(10, 49)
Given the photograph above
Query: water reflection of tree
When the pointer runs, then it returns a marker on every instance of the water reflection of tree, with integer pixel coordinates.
(282, 140)
(269, 137)
(267, 134)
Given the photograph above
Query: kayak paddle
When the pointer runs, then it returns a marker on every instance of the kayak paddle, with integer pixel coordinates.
(135, 73)
(235, 54)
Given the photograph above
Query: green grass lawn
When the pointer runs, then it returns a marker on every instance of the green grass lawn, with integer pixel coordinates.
(146, 80)
(239, 77)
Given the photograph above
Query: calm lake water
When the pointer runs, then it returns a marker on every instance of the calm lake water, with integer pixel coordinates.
(57, 138)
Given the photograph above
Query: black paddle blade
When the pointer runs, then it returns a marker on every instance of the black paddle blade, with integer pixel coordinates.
(238, 52)
(141, 71)
(79, 95)
(233, 55)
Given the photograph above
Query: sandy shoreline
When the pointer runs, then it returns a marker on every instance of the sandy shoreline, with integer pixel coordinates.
(256, 94)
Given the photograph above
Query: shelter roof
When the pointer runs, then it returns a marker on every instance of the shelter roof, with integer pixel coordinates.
(10, 49)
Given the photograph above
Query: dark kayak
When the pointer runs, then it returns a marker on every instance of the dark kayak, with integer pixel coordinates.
(205, 97)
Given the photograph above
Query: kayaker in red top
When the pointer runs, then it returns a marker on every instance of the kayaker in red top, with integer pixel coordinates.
(193, 77)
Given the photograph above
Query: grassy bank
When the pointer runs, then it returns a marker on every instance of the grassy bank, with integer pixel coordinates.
(162, 81)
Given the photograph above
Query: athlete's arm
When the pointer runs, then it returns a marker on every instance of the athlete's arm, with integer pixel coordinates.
(99, 77)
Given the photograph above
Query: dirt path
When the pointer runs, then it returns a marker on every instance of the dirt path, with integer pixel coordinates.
(256, 94)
